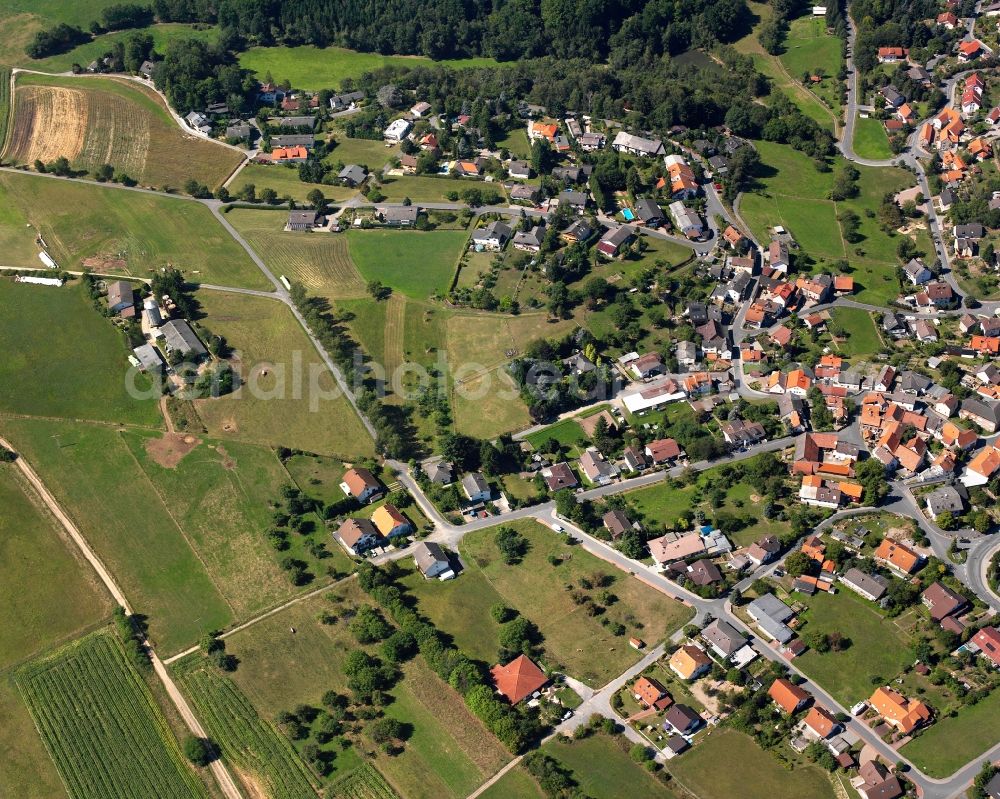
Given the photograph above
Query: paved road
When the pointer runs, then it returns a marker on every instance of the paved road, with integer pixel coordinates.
(219, 770)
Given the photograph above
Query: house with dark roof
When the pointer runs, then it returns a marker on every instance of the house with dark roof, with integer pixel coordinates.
(682, 719)
(432, 561)
(179, 337)
(942, 602)
(559, 476)
(357, 535)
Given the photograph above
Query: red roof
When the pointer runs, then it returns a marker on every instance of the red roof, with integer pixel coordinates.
(519, 679)
(988, 641)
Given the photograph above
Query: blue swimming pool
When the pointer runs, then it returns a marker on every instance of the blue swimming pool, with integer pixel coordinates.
(627, 213)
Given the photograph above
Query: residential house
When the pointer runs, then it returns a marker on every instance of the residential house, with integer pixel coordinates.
(871, 587)
(819, 723)
(740, 433)
(944, 499)
(439, 472)
(352, 175)
(649, 213)
(724, 639)
(148, 358)
(530, 240)
(969, 51)
(982, 467)
(682, 719)
(559, 476)
(686, 221)
(524, 193)
(597, 469)
(770, 614)
(987, 640)
(357, 535)
(398, 215)
(179, 337)
(617, 523)
(649, 693)
(897, 557)
(519, 679)
(574, 200)
(361, 484)
(942, 602)
(917, 272)
(345, 100)
(579, 231)
(612, 242)
(493, 237)
(121, 298)
(476, 487)
(397, 130)
(777, 256)
(637, 145)
(432, 561)
(984, 414)
(647, 365)
(893, 99)
(788, 696)
(689, 662)
(764, 550)
(390, 522)
(291, 140)
(303, 220)
(898, 711)
(877, 783)
(635, 459)
(890, 55)
(663, 450)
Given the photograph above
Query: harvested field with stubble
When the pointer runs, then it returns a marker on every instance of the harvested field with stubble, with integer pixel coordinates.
(319, 261)
(95, 121)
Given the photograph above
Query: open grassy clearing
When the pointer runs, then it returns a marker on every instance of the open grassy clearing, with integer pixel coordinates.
(69, 360)
(21, 19)
(319, 261)
(515, 784)
(422, 188)
(87, 224)
(793, 193)
(870, 139)
(26, 770)
(567, 432)
(602, 768)
(285, 181)
(419, 264)
(573, 641)
(48, 592)
(309, 67)
(96, 120)
(449, 752)
(370, 153)
(516, 141)
(162, 575)
(878, 647)
(268, 338)
(488, 404)
(809, 48)
(101, 725)
(317, 475)
(864, 339)
(754, 773)
(951, 742)
(264, 759)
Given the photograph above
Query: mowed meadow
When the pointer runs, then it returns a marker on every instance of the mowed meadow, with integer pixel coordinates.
(93, 121)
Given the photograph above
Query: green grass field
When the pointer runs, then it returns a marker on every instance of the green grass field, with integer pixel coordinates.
(123, 123)
(265, 759)
(870, 139)
(417, 264)
(309, 67)
(70, 361)
(567, 432)
(82, 221)
(449, 753)
(22, 18)
(50, 594)
(864, 339)
(809, 48)
(602, 768)
(26, 770)
(319, 261)
(149, 554)
(952, 742)
(370, 153)
(285, 181)
(729, 765)
(101, 725)
(878, 647)
(421, 188)
(573, 641)
(793, 193)
(313, 415)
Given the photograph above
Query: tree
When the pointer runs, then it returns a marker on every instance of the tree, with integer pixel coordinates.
(399, 646)
(512, 545)
(316, 199)
(798, 563)
(269, 196)
(104, 173)
(378, 290)
(368, 625)
(386, 729)
(871, 474)
(198, 750)
(502, 613)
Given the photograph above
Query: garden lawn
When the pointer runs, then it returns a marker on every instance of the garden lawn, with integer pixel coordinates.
(149, 555)
(421, 188)
(863, 339)
(268, 410)
(68, 360)
(567, 432)
(877, 648)
(602, 768)
(727, 764)
(285, 181)
(370, 153)
(870, 139)
(81, 220)
(309, 67)
(573, 641)
(48, 592)
(516, 141)
(419, 264)
(951, 742)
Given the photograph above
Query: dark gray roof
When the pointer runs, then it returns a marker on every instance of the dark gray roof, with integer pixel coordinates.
(647, 210)
(292, 122)
(294, 140)
(181, 338)
(724, 636)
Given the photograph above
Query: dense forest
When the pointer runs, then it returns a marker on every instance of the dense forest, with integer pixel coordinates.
(619, 30)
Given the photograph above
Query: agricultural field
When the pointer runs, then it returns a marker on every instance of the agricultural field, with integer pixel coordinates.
(794, 194)
(418, 264)
(573, 641)
(285, 181)
(448, 754)
(309, 67)
(870, 139)
(50, 372)
(319, 261)
(4, 105)
(878, 646)
(107, 229)
(759, 775)
(26, 770)
(47, 590)
(863, 340)
(271, 409)
(96, 121)
(953, 741)
(265, 760)
(363, 783)
(101, 725)
(149, 554)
